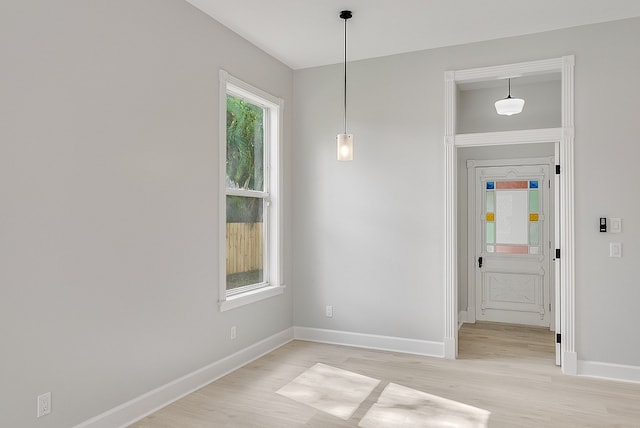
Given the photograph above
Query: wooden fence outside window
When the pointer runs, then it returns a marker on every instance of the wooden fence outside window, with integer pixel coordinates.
(244, 247)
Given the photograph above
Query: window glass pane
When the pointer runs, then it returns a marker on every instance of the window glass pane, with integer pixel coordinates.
(512, 249)
(512, 184)
(533, 201)
(533, 233)
(245, 232)
(490, 205)
(245, 145)
(512, 217)
(491, 233)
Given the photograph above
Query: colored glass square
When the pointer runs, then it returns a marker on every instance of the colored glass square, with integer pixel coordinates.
(512, 184)
(533, 234)
(533, 201)
(491, 217)
(512, 249)
(491, 185)
(491, 201)
(491, 233)
(533, 184)
(533, 217)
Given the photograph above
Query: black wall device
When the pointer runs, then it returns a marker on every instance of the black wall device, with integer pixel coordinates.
(603, 224)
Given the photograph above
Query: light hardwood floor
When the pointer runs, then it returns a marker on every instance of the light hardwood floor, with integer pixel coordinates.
(505, 369)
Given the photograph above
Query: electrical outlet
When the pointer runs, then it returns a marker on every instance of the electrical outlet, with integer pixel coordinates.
(615, 249)
(44, 404)
(233, 332)
(329, 311)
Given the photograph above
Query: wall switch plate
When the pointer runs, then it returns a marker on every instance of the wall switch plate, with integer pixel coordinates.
(233, 332)
(615, 249)
(615, 225)
(329, 311)
(44, 404)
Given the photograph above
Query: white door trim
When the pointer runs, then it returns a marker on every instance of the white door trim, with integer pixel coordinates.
(557, 280)
(565, 135)
(472, 232)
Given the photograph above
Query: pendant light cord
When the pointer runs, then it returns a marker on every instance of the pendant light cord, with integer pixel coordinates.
(345, 75)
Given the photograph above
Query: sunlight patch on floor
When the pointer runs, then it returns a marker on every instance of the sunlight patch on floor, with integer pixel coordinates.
(340, 393)
(399, 406)
(330, 389)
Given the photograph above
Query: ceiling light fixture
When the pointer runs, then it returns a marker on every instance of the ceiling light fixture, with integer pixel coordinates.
(509, 106)
(345, 141)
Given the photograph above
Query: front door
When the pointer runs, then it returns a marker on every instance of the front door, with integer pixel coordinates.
(512, 244)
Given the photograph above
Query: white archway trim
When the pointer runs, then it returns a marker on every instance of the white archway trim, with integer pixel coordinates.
(509, 137)
(565, 137)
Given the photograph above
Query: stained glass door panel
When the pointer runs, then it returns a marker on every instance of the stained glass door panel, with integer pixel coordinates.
(511, 216)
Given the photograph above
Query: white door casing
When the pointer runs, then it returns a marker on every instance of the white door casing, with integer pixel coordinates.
(556, 262)
(565, 267)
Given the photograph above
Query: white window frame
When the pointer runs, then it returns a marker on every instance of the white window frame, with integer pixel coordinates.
(272, 214)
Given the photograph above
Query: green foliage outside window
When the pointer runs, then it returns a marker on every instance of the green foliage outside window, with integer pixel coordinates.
(245, 161)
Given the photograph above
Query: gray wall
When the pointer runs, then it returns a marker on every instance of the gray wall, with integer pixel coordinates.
(108, 214)
(477, 113)
(368, 235)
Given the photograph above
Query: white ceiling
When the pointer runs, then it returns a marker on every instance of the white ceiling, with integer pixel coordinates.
(308, 33)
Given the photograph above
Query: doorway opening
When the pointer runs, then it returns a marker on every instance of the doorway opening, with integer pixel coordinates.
(507, 344)
(565, 245)
(506, 240)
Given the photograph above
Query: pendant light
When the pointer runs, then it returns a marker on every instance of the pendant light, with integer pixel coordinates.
(345, 141)
(509, 106)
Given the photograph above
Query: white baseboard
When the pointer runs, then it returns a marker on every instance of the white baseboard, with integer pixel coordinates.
(371, 341)
(609, 371)
(462, 318)
(136, 409)
(570, 363)
(450, 348)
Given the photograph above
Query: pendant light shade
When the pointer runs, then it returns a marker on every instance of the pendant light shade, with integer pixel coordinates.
(344, 140)
(345, 147)
(509, 106)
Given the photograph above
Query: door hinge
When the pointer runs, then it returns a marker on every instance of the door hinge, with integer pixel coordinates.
(558, 338)
(549, 307)
(557, 253)
(557, 169)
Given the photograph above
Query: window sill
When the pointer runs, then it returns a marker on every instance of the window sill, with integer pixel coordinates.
(250, 297)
